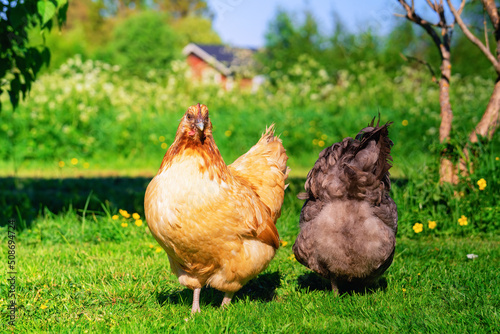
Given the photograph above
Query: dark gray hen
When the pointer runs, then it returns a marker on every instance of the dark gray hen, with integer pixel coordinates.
(348, 223)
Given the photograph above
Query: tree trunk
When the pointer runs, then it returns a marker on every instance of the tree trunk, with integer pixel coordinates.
(485, 128)
(447, 171)
(489, 122)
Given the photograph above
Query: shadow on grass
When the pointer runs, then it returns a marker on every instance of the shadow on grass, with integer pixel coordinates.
(25, 198)
(314, 282)
(262, 288)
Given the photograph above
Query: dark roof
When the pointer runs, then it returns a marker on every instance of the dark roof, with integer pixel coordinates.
(222, 53)
(228, 60)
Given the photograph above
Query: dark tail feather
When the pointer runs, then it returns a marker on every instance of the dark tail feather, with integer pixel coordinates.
(381, 136)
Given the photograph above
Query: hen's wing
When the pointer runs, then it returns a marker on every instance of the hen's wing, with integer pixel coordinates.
(263, 168)
(354, 168)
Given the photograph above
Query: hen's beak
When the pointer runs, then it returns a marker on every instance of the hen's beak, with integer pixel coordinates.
(200, 124)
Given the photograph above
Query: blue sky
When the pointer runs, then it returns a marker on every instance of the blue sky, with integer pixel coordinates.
(244, 22)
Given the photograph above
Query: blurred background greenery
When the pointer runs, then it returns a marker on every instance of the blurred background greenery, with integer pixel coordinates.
(109, 104)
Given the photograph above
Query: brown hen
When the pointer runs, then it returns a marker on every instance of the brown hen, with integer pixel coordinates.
(216, 222)
(348, 223)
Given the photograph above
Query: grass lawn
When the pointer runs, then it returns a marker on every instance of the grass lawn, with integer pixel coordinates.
(82, 271)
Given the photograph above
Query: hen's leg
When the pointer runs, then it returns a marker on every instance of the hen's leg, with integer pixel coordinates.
(196, 301)
(335, 287)
(227, 298)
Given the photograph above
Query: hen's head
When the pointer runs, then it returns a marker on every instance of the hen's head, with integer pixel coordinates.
(196, 124)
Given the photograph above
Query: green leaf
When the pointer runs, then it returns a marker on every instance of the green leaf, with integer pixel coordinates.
(36, 60)
(46, 56)
(61, 14)
(46, 9)
(15, 86)
(5, 65)
(18, 17)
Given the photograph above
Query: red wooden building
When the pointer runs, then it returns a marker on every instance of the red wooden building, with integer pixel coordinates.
(231, 67)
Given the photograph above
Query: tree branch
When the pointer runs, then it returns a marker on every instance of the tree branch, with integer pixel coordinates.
(462, 5)
(420, 61)
(492, 11)
(486, 39)
(412, 16)
(473, 38)
(432, 5)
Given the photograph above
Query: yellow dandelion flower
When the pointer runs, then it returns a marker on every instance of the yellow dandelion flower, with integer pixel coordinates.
(462, 220)
(228, 133)
(404, 122)
(158, 249)
(138, 222)
(418, 227)
(315, 142)
(74, 161)
(124, 213)
(432, 224)
(124, 224)
(321, 143)
(151, 245)
(43, 306)
(404, 290)
(292, 257)
(283, 243)
(136, 216)
(164, 146)
(497, 158)
(86, 165)
(115, 217)
(61, 164)
(324, 136)
(482, 184)
(161, 138)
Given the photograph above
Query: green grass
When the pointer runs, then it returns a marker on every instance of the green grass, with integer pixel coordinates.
(80, 270)
(95, 275)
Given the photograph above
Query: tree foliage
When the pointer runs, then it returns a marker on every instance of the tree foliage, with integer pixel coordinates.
(289, 36)
(176, 8)
(119, 32)
(184, 8)
(20, 62)
(194, 29)
(143, 42)
(287, 41)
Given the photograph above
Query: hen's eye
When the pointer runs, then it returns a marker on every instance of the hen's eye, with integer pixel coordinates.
(189, 117)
